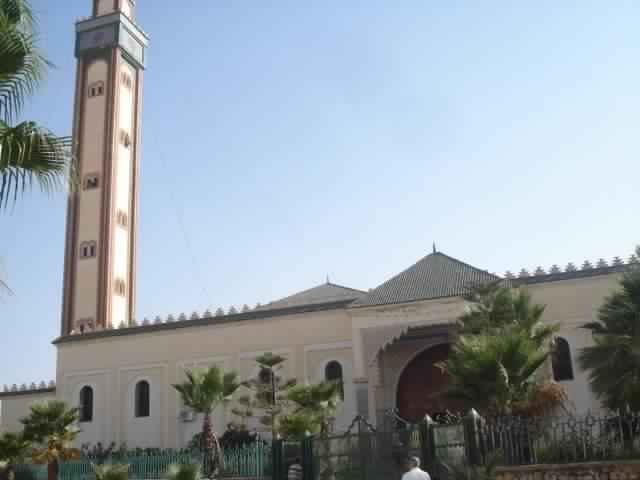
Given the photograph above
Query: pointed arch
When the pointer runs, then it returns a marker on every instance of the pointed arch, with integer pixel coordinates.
(86, 404)
(561, 362)
(142, 399)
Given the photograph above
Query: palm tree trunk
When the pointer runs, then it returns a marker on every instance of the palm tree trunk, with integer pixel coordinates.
(52, 470)
(207, 443)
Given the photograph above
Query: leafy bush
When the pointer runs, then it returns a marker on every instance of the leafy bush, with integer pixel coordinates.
(111, 472)
(189, 471)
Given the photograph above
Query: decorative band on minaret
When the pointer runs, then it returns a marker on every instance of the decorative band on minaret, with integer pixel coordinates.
(100, 252)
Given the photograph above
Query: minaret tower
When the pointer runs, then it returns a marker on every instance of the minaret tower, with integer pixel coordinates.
(99, 273)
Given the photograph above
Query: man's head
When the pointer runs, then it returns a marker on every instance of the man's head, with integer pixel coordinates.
(413, 462)
(297, 460)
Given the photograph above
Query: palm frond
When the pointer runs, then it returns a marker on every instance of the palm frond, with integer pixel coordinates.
(31, 154)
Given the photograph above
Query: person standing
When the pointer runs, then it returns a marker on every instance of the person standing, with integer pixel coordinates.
(295, 470)
(414, 472)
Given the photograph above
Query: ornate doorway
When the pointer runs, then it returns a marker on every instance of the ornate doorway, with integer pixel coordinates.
(419, 384)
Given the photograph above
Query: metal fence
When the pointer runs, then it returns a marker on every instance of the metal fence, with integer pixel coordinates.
(253, 461)
(565, 439)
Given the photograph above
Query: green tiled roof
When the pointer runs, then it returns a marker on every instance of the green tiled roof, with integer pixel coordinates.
(435, 276)
(327, 292)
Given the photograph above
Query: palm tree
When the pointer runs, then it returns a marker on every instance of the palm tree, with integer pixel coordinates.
(51, 428)
(497, 374)
(493, 307)
(13, 448)
(503, 343)
(203, 391)
(613, 362)
(29, 153)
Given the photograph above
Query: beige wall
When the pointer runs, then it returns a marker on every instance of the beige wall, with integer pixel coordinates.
(13, 408)
(113, 365)
(572, 303)
(309, 341)
(92, 149)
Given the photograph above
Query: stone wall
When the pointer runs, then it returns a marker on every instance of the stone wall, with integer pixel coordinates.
(622, 470)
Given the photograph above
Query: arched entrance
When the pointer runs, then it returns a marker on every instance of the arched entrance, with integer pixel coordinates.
(419, 384)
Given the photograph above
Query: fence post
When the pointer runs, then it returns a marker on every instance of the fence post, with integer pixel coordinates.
(427, 440)
(472, 436)
(307, 457)
(277, 459)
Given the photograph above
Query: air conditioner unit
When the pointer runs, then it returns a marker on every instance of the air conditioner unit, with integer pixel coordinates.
(187, 415)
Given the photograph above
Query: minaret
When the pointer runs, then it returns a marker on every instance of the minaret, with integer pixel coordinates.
(100, 253)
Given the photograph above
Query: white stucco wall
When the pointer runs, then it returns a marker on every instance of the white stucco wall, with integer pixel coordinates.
(113, 365)
(13, 408)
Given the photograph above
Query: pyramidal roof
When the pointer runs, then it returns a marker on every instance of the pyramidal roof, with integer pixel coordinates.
(435, 276)
(325, 293)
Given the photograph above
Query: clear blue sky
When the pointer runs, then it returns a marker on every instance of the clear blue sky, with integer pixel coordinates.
(286, 142)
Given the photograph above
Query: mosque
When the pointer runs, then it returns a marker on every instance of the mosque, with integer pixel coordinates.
(382, 343)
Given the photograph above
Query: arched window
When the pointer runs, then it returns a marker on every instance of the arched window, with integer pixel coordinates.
(142, 399)
(120, 287)
(91, 181)
(333, 373)
(561, 360)
(87, 249)
(86, 404)
(96, 89)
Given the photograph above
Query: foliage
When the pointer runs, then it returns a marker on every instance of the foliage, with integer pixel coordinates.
(269, 392)
(13, 447)
(313, 407)
(6, 471)
(613, 362)
(237, 436)
(51, 428)
(203, 391)
(494, 364)
(206, 389)
(29, 153)
(184, 472)
(111, 472)
(493, 308)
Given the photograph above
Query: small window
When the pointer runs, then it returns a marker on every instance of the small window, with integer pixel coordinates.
(88, 250)
(126, 80)
(333, 373)
(122, 219)
(561, 360)
(96, 89)
(142, 399)
(85, 325)
(91, 182)
(125, 139)
(120, 287)
(86, 404)
(264, 376)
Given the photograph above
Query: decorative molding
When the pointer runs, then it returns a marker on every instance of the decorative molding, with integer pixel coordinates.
(328, 346)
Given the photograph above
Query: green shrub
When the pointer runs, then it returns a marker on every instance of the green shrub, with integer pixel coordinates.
(189, 471)
(111, 472)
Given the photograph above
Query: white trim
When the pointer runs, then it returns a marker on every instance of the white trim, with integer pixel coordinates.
(131, 392)
(253, 355)
(143, 367)
(328, 346)
(191, 363)
(77, 404)
(321, 347)
(78, 373)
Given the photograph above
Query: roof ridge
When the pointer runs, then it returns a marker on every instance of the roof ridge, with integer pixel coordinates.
(497, 277)
(436, 275)
(345, 287)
